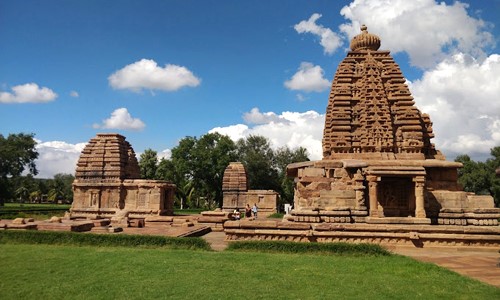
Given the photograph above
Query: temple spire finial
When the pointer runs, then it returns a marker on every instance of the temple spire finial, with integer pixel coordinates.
(365, 40)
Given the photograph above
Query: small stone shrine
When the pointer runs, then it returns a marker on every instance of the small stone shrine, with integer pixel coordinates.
(236, 194)
(107, 183)
(381, 179)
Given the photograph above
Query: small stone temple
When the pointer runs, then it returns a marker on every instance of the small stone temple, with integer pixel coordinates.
(381, 179)
(236, 194)
(107, 183)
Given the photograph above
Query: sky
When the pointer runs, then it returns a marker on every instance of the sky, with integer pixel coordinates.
(158, 71)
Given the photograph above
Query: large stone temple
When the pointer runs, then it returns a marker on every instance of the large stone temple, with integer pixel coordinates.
(107, 183)
(378, 160)
(381, 179)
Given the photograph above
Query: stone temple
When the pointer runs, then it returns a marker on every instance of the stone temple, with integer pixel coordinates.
(236, 194)
(381, 179)
(107, 183)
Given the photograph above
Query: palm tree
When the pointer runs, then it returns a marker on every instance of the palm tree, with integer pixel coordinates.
(22, 193)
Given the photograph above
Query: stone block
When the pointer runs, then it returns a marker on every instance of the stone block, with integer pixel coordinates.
(313, 172)
(414, 235)
(259, 224)
(232, 224)
(164, 219)
(450, 199)
(179, 220)
(293, 226)
(18, 221)
(136, 223)
(480, 201)
(214, 213)
(55, 219)
(205, 219)
(113, 229)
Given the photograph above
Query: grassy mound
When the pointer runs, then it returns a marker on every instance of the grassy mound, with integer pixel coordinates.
(310, 248)
(100, 240)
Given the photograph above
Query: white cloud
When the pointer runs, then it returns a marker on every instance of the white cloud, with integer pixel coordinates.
(167, 154)
(146, 74)
(121, 119)
(301, 97)
(256, 117)
(328, 39)
(309, 78)
(424, 29)
(28, 93)
(57, 157)
(461, 95)
(74, 94)
(292, 129)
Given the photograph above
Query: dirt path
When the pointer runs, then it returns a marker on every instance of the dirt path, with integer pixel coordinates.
(483, 265)
(216, 239)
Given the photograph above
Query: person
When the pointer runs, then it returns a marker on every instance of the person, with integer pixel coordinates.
(236, 214)
(255, 209)
(248, 211)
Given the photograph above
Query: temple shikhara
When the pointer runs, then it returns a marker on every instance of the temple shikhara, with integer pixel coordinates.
(107, 183)
(381, 179)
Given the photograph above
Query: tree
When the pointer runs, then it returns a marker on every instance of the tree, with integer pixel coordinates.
(17, 152)
(210, 156)
(283, 157)
(148, 164)
(62, 187)
(479, 177)
(22, 193)
(258, 158)
(197, 167)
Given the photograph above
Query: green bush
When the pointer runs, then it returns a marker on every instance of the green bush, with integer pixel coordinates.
(105, 240)
(316, 248)
(276, 216)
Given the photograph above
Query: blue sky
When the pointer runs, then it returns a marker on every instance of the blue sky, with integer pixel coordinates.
(158, 71)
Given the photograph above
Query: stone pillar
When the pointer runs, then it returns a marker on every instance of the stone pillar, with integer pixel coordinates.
(419, 196)
(360, 193)
(372, 194)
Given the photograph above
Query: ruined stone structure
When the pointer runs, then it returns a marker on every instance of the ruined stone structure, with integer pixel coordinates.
(236, 194)
(381, 179)
(107, 183)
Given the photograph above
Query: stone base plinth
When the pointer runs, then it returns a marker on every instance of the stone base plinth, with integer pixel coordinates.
(417, 235)
(397, 220)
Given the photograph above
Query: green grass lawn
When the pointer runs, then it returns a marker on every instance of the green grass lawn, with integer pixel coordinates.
(32, 210)
(72, 272)
(29, 206)
(189, 211)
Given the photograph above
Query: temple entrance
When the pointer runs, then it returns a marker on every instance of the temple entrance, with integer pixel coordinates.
(396, 196)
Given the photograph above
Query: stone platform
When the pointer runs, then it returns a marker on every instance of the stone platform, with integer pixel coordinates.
(167, 226)
(415, 235)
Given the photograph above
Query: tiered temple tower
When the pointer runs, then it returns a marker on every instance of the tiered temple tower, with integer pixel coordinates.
(379, 164)
(107, 183)
(371, 113)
